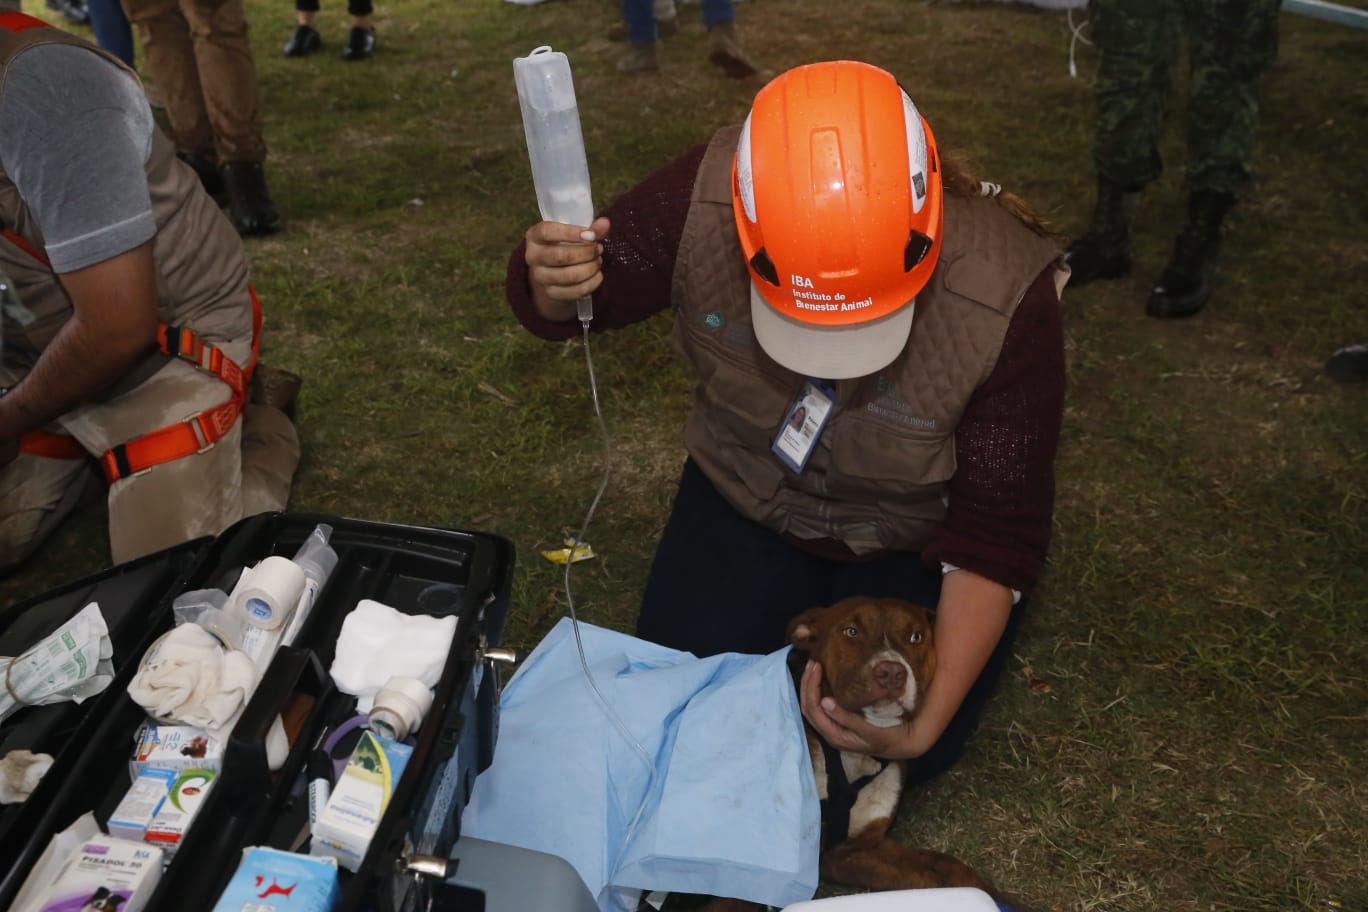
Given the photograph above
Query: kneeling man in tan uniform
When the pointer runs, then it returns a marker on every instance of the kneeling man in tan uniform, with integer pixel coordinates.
(130, 329)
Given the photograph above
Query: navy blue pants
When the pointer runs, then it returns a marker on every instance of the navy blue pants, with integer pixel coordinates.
(641, 23)
(112, 31)
(723, 583)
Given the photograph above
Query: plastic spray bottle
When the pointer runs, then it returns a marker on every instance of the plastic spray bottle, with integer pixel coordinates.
(555, 145)
(317, 559)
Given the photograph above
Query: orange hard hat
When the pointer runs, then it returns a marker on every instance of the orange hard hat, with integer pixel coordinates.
(836, 189)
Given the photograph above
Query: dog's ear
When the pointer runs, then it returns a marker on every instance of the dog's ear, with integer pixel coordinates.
(803, 630)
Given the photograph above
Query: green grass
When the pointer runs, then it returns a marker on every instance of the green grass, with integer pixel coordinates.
(1196, 737)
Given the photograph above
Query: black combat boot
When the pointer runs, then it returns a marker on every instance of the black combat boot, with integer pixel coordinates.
(249, 202)
(1104, 250)
(1190, 277)
(207, 170)
(1349, 364)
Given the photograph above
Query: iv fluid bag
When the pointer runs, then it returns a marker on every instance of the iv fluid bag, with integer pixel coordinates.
(555, 145)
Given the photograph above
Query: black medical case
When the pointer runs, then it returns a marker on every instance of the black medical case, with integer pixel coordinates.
(414, 859)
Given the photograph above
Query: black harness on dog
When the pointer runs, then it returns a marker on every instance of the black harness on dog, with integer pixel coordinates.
(841, 792)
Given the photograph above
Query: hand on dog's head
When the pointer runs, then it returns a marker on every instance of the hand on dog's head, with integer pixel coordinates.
(877, 654)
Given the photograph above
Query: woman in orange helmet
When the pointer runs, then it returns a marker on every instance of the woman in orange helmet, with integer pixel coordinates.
(824, 255)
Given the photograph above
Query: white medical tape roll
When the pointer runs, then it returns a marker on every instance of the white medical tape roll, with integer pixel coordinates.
(270, 592)
(399, 707)
(222, 624)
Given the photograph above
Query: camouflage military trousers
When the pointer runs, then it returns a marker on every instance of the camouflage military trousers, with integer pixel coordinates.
(1230, 44)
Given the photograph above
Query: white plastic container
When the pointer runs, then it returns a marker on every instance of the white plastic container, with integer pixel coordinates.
(399, 707)
(555, 145)
(317, 559)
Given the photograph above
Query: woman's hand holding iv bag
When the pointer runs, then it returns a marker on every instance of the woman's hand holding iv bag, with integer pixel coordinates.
(563, 253)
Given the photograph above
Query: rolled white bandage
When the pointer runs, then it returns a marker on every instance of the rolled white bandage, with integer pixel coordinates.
(270, 592)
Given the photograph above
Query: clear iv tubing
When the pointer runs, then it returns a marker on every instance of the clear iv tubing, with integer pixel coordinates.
(1077, 36)
(584, 307)
(555, 147)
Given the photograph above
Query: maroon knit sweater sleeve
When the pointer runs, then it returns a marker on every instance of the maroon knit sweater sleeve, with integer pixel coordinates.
(1001, 498)
(639, 251)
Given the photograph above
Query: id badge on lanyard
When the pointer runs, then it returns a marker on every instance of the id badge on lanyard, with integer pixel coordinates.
(804, 422)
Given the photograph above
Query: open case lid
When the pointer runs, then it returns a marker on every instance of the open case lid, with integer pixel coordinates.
(413, 569)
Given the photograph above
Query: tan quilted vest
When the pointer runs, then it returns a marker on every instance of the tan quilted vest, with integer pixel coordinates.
(201, 270)
(878, 476)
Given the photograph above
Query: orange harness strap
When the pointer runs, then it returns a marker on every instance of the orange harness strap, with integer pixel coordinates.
(199, 432)
(51, 446)
(18, 240)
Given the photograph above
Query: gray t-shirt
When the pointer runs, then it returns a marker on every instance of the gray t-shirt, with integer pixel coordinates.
(75, 135)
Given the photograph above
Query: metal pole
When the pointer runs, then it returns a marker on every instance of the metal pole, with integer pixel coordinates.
(1329, 12)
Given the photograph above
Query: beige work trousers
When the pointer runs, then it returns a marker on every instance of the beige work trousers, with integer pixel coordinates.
(248, 471)
(201, 61)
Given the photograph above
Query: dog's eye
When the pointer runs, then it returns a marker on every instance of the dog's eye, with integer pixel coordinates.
(851, 631)
(916, 637)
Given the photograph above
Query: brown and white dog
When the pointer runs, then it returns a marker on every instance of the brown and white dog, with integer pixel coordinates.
(878, 657)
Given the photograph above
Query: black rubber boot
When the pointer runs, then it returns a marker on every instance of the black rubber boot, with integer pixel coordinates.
(1349, 364)
(249, 202)
(211, 178)
(1190, 277)
(1104, 250)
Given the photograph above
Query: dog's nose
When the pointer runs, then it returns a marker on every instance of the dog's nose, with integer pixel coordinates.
(890, 675)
